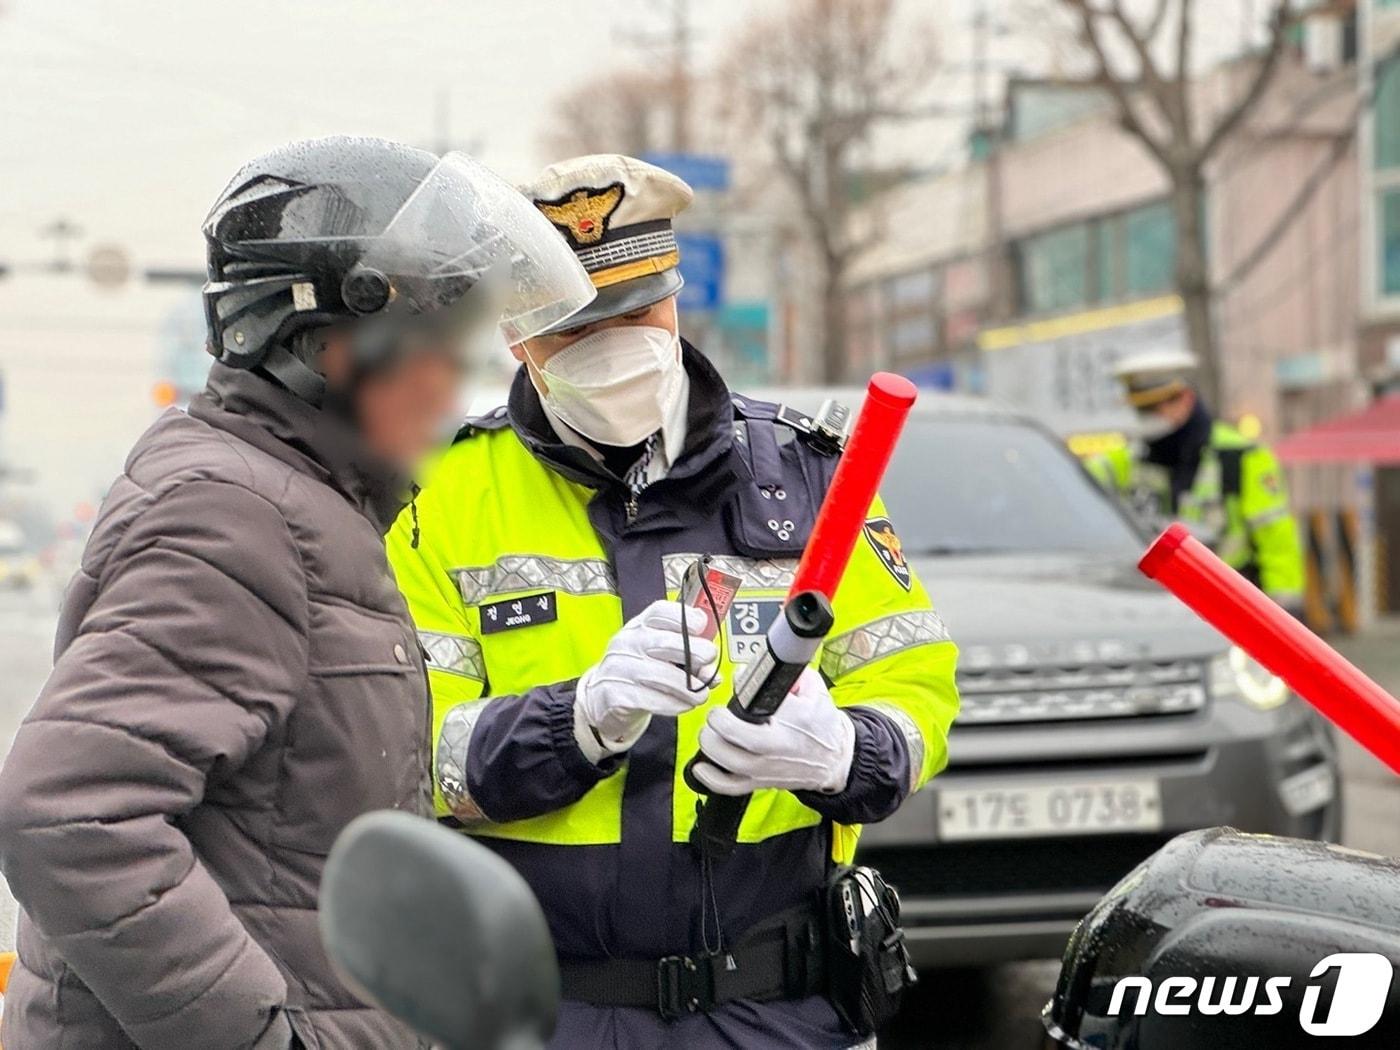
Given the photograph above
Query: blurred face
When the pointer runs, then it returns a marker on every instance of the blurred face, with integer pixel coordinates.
(401, 410)
(537, 351)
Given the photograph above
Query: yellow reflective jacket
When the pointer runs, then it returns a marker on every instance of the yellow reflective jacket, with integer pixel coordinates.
(522, 559)
(1238, 500)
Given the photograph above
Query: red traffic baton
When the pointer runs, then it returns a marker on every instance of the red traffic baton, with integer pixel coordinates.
(853, 487)
(1244, 614)
(797, 633)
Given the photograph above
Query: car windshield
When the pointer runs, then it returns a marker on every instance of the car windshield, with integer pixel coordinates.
(970, 486)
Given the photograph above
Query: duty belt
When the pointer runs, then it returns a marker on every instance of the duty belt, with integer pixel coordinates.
(782, 959)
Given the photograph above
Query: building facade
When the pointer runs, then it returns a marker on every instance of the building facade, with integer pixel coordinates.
(1068, 240)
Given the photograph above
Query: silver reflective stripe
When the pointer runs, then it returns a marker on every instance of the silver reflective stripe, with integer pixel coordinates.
(1268, 517)
(913, 739)
(450, 761)
(773, 574)
(454, 654)
(1233, 549)
(524, 572)
(880, 638)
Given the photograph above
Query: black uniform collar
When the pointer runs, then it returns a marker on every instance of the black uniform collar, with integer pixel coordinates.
(709, 427)
(1186, 441)
(1180, 451)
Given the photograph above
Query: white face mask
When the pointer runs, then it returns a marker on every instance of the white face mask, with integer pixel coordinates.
(617, 386)
(1152, 426)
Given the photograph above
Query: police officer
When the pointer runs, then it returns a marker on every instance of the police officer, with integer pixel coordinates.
(1206, 473)
(570, 690)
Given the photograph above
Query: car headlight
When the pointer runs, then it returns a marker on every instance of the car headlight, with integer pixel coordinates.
(1237, 674)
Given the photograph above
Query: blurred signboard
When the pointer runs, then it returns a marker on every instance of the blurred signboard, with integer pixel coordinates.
(937, 375)
(742, 330)
(702, 171)
(702, 266)
(1062, 370)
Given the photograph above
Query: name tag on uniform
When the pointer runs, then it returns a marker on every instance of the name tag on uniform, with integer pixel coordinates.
(519, 612)
(749, 620)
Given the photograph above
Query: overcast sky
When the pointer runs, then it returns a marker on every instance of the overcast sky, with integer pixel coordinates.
(129, 115)
(126, 117)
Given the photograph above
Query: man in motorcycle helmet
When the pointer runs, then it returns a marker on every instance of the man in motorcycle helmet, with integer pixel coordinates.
(237, 676)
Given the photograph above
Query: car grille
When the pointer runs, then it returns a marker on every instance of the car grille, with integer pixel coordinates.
(1000, 695)
(1089, 863)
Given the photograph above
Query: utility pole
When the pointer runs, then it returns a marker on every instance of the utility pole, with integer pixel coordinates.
(444, 139)
(677, 43)
(989, 132)
(680, 76)
(63, 233)
(980, 23)
(442, 121)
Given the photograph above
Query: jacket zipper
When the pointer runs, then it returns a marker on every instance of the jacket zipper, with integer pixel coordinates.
(631, 508)
(430, 767)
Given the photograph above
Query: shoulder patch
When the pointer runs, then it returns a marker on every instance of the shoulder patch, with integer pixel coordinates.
(880, 532)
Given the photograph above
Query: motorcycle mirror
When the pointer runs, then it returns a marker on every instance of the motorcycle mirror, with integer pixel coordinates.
(440, 932)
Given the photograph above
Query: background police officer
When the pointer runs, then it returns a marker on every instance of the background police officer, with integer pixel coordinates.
(1204, 472)
(570, 692)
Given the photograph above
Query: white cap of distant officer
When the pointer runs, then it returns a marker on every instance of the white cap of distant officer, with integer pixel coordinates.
(612, 372)
(1158, 384)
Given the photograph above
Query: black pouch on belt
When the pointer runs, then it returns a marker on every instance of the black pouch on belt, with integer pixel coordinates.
(868, 967)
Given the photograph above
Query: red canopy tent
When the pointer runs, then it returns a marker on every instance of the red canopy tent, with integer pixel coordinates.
(1368, 435)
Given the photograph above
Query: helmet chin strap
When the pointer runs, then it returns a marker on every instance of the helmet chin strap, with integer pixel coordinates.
(295, 374)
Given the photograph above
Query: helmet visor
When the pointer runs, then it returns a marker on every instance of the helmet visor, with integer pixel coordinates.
(460, 225)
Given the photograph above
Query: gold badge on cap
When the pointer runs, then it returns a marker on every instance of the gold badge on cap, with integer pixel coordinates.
(584, 213)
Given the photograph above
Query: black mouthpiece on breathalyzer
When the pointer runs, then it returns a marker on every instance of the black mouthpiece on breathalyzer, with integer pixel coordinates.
(809, 614)
(792, 643)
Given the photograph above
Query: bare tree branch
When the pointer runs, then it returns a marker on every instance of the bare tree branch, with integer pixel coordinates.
(1105, 77)
(1317, 178)
(1149, 74)
(1288, 214)
(815, 81)
(1180, 146)
(1149, 31)
(1183, 65)
(1280, 24)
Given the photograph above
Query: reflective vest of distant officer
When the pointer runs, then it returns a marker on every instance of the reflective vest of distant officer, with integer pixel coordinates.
(542, 569)
(1204, 472)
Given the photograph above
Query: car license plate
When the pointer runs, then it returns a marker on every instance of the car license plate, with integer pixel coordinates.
(1019, 811)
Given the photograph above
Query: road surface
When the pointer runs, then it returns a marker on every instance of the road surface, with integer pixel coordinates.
(962, 1010)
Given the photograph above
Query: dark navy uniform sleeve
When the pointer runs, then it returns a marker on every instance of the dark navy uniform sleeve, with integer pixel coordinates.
(880, 778)
(495, 758)
(523, 760)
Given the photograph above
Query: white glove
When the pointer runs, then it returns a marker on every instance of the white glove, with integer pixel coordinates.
(642, 674)
(808, 745)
